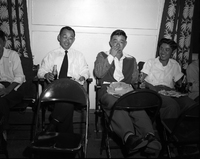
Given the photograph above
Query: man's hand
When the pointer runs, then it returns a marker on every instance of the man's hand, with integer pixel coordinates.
(114, 50)
(82, 78)
(49, 77)
(4, 92)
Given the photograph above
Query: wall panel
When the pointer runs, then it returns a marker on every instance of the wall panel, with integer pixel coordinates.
(94, 21)
(97, 13)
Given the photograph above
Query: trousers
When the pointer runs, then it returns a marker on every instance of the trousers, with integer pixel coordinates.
(63, 112)
(7, 102)
(137, 122)
(172, 107)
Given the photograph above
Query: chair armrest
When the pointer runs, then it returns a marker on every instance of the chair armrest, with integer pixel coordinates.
(89, 80)
(87, 84)
(98, 85)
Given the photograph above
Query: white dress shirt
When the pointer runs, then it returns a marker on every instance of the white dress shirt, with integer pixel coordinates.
(118, 75)
(11, 68)
(77, 65)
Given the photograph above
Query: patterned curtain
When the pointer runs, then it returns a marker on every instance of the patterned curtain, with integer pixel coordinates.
(177, 25)
(14, 23)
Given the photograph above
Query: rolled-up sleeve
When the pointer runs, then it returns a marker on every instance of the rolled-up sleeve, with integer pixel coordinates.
(147, 66)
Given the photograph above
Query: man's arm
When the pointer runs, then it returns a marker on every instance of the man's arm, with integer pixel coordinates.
(46, 66)
(8, 89)
(102, 64)
(84, 69)
(135, 74)
(192, 78)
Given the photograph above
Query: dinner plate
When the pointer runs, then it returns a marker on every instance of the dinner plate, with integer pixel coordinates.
(171, 93)
(117, 89)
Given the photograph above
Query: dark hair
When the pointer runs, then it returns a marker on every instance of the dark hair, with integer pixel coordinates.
(170, 42)
(67, 28)
(118, 32)
(2, 35)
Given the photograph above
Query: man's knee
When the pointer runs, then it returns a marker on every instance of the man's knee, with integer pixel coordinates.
(108, 101)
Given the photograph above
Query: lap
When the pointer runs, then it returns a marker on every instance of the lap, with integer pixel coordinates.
(13, 98)
(185, 102)
(182, 102)
(108, 100)
(168, 101)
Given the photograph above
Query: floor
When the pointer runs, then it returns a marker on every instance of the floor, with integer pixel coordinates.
(19, 138)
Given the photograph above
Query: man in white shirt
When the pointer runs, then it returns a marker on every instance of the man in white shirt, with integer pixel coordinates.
(62, 115)
(11, 78)
(162, 73)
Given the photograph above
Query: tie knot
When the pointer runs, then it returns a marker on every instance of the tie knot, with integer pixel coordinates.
(66, 52)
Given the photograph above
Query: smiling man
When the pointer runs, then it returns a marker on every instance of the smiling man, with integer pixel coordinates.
(70, 63)
(162, 73)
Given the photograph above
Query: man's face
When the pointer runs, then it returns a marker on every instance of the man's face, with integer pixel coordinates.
(118, 41)
(165, 52)
(66, 39)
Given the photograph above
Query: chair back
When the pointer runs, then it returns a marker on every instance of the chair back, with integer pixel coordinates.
(187, 125)
(64, 90)
(140, 65)
(140, 99)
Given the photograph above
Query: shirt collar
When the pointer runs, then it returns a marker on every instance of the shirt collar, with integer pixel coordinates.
(124, 55)
(63, 50)
(168, 64)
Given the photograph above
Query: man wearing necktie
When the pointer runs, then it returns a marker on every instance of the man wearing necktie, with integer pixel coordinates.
(70, 63)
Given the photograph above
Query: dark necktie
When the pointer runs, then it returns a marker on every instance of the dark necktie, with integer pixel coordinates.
(64, 67)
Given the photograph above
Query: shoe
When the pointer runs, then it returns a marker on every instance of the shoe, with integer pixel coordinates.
(153, 144)
(134, 143)
(47, 135)
(50, 128)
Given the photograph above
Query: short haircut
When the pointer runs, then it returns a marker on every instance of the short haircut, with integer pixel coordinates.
(170, 42)
(118, 32)
(2, 35)
(67, 28)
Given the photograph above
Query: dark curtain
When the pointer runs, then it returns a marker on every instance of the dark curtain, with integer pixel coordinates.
(14, 23)
(176, 24)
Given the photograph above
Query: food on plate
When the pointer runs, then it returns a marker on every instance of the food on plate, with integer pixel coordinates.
(171, 93)
(119, 88)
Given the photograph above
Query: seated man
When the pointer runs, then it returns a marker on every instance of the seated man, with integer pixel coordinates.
(116, 66)
(192, 74)
(70, 63)
(11, 78)
(162, 73)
